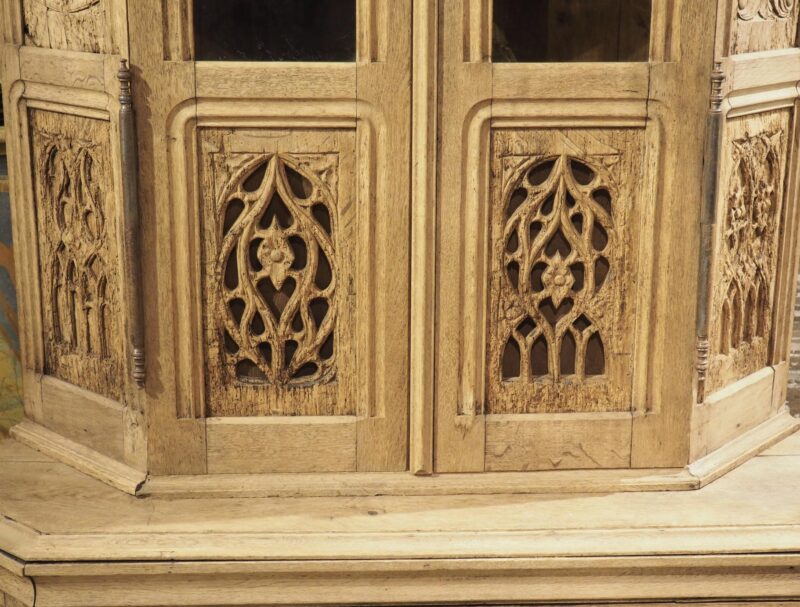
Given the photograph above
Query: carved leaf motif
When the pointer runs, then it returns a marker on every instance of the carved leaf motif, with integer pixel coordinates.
(277, 274)
(749, 10)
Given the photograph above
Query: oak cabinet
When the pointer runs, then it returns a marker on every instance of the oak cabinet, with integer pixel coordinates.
(370, 246)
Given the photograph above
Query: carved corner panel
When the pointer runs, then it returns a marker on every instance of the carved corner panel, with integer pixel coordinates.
(74, 25)
(78, 251)
(762, 25)
(749, 221)
(562, 269)
(278, 272)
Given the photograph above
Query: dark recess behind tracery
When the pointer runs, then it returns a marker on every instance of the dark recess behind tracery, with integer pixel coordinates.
(275, 30)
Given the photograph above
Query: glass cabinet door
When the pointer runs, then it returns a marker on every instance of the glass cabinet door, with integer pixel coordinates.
(553, 174)
(283, 187)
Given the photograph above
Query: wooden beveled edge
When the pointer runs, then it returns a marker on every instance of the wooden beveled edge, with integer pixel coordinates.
(15, 584)
(696, 475)
(83, 459)
(371, 484)
(656, 579)
(134, 482)
(744, 447)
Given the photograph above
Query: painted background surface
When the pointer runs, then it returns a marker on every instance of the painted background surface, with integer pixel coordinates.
(10, 388)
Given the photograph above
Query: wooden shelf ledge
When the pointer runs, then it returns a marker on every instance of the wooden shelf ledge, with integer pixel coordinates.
(77, 541)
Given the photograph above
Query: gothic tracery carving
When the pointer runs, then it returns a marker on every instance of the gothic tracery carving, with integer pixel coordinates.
(557, 230)
(559, 264)
(78, 261)
(748, 254)
(277, 271)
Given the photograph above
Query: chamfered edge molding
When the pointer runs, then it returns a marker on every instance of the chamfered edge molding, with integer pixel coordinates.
(82, 458)
(135, 482)
(616, 579)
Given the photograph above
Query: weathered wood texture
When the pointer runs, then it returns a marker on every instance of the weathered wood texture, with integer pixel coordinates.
(563, 262)
(750, 212)
(762, 25)
(78, 251)
(75, 25)
(279, 242)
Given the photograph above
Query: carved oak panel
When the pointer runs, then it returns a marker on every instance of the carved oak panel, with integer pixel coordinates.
(74, 25)
(562, 267)
(278, 272)
(762, 25)
(749, 221)
(78, 251)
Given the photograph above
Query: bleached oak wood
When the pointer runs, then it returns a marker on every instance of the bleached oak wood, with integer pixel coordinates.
(418, 152)
(83, 416)
(82, 458)
(583, 548)
(281, 444)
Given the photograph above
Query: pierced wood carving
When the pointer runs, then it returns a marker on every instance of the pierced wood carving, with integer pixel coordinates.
(274, 281)
(75, 25)
(560, 272)
(78, 255)
(762, 25)
(747, 261)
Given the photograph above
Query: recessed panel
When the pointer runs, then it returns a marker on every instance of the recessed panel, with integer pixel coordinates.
(749, 228)
(75, 25)
(78, 251)
(278, 272)
(275, 30)
(763, 25)
(562, 276)
(571, 30)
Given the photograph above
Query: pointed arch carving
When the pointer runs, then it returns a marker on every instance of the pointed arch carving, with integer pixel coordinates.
(747, 249)
(560, 251)
(278, 323)
(78, 251)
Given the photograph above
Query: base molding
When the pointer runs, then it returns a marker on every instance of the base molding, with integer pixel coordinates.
(421, 581)
(80, 457)
(695, 476)
(369, 484)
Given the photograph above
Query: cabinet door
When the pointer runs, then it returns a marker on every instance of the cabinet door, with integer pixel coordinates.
(570, 133)
(281, 177)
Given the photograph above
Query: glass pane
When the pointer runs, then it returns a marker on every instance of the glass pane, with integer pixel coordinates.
(275, 30)
(571, 30)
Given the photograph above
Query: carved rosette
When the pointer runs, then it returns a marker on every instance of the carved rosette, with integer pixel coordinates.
(276, 271)
(747, 253)
(77, 251)
(558, 261)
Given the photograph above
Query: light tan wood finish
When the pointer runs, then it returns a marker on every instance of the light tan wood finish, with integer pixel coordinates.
(78, 242)
(342, 260)
(82, 543)
(626, 122)
(90, 462)
(332, 127)
(84, 417)
(755, 261)
(67, 205)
